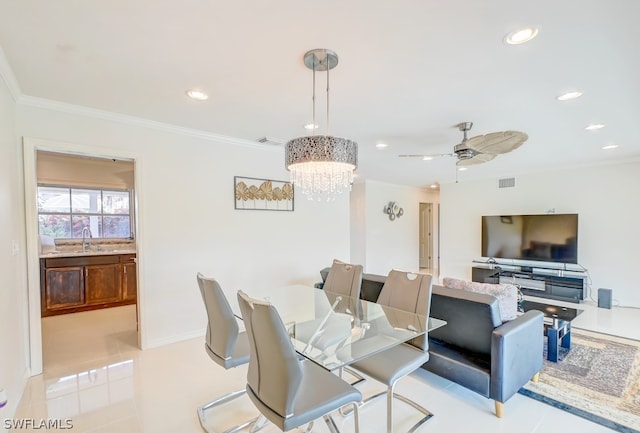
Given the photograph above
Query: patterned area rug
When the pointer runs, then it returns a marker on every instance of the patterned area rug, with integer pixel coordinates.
(598, 379)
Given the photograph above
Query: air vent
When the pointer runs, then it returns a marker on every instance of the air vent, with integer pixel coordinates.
(271, 141)
(507, 182)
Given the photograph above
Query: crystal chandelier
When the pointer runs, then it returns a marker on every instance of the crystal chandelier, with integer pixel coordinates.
(321, 165)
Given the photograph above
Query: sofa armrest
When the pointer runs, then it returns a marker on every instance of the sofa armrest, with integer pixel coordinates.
(516, 354)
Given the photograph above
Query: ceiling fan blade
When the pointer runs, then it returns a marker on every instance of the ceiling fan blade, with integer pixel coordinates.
(497, 143)
(477, 159)
(432, 155)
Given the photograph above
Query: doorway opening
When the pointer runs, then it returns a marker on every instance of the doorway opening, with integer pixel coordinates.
(428, 239)
(81, 252)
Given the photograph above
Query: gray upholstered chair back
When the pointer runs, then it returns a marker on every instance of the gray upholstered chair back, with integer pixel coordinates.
(222, 327)
(409, 292)
(275, 372)
(344, 279)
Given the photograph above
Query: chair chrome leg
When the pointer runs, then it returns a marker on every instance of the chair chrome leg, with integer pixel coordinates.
(372, 397)
(390, 408)
(224, 399)
(356, 417)
(346, 412)
(358, 376)
(359, 379)
(241, 427)
(309, 428)
(427, 415)
(390, 396)
(258, 424)
(333, 428)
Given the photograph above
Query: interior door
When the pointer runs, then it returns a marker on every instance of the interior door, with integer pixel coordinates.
(426, 235)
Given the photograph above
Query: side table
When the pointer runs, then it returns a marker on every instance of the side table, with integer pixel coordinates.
(557, 323)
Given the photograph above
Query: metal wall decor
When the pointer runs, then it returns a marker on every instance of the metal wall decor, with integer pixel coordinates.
(263, 194)
(394, 210)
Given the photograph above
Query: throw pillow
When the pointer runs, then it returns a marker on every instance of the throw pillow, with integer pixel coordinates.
(507, 294)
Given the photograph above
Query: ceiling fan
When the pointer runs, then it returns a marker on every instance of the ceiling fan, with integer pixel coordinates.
(481, 148)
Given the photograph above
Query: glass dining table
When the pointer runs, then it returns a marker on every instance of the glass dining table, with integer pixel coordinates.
(335, 330)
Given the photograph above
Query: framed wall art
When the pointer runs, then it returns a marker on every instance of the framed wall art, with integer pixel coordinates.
(262, 194)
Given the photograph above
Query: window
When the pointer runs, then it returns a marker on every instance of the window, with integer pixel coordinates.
(63, 212)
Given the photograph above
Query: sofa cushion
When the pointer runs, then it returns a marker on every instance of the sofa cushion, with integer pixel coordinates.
(469, 369)
(507, 294)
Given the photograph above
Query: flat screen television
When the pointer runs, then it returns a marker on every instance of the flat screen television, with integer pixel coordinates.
(548, 237)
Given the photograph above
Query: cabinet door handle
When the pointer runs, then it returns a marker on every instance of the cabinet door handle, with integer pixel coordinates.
(86, 272)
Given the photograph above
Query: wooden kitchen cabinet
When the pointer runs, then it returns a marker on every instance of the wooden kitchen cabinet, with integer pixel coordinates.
(65, 288)
(129, 277)
(102, 283)
(80, 283)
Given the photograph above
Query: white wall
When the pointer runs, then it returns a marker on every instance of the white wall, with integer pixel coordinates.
(378, 243)
(604, 197)
(13, 312)
(186, 217)
(358, 224)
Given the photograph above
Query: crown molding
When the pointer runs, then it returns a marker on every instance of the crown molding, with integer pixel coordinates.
(6, 73)
(63, 107)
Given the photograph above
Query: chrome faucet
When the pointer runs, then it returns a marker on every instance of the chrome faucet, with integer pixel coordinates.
(85, 232)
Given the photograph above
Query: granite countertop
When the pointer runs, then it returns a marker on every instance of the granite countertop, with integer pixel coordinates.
(90, 252)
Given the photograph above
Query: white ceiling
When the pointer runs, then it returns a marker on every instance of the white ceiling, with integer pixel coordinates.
(409, 71)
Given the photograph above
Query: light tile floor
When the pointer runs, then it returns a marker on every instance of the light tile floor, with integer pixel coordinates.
(96, 377)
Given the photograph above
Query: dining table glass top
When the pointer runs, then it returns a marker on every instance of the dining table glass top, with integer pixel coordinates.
(335, 330)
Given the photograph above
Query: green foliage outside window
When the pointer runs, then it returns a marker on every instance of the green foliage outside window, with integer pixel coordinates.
(63, 212)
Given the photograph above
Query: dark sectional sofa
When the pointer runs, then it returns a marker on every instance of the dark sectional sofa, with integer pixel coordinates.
(480, 352)
(475, 349)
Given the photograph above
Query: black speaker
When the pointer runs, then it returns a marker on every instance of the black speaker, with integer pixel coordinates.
(604, 298)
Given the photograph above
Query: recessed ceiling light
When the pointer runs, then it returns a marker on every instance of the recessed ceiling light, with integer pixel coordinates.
(427, 158)
(595, 126)
(433, 186)
(197, 94)
(569, 95)
(311, 126)
(609, 146)
(462, 168)
(521, 36)
(382, 145)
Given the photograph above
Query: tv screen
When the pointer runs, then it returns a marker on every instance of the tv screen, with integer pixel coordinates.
(548, 237)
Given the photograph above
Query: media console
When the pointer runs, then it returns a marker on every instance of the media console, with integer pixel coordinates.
(549, 283)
